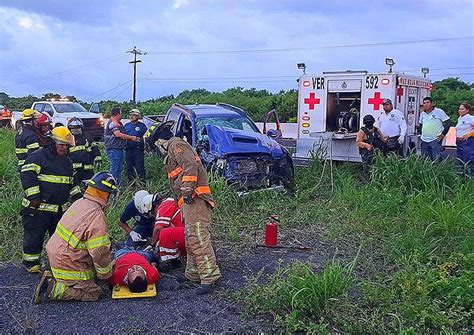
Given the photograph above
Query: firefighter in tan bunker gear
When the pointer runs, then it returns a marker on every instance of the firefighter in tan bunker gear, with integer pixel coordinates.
(79, 250)
(190, 187)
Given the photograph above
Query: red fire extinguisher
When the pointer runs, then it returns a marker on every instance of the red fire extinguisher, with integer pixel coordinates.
(271, 231)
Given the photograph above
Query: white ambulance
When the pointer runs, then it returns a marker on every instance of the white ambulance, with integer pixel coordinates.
(331, 107)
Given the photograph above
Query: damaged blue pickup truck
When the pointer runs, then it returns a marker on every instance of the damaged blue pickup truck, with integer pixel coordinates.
(231, 145)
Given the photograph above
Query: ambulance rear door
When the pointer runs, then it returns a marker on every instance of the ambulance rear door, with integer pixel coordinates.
(311, 105)
(375, 88)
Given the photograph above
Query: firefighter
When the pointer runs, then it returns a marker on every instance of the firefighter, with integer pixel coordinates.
(26, 139)
(369, 138)
(79, 250)
(189, 184)
(48, 183)
(44, 125)
(85, 154)
(393, 126)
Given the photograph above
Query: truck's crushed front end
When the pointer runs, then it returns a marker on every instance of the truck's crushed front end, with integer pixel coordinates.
(246, 159)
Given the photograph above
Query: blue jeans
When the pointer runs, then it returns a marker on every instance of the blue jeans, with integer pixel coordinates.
(432, 150)
(116, 162)
(144, 230)
(465, 151)
(135, 160)
(148, 255)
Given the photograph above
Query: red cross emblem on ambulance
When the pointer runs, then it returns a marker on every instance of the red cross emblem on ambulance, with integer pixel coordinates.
(376, 101)
(312, 101)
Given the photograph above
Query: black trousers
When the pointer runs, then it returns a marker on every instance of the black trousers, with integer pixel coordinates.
(35, 225)
(135, 161)
(82, 174)
(392, 145)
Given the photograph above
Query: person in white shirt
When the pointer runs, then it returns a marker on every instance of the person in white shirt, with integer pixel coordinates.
(393, 125)
(465, 137)
(435, 125)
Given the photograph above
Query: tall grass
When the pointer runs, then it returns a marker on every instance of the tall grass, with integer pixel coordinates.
(298, 296)
(413, 218)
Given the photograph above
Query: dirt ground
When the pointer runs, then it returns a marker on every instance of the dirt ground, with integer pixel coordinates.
(175, 309)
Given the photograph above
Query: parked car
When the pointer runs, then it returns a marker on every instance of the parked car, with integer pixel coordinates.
(5, 117)
(231, 145)
(63, 110)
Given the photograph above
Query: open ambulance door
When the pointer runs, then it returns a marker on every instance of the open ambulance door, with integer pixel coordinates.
(311, 105)
(376, 87)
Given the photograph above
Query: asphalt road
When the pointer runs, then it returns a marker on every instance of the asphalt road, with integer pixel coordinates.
(174, 310)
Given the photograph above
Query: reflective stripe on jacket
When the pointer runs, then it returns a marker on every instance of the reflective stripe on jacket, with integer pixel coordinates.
(185, 172)
(48, 177)
(85, 153)
(80, 247)
(26, 142)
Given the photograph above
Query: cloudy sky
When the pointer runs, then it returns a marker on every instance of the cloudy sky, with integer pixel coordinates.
(80, 47)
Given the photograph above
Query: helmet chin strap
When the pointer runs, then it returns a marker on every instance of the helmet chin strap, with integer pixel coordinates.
(162, 146)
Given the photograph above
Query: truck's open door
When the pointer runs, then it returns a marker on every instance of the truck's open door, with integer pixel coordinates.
(95, 108)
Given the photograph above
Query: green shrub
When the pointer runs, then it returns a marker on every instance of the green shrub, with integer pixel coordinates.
(298, 296)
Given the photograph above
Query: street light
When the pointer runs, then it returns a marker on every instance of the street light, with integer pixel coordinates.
(425, 71)
(302, 66)
(390, 62)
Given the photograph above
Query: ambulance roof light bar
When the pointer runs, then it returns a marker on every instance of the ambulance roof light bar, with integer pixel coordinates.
(390, 62)
(425, 71)
(346, 72)
(302, 66)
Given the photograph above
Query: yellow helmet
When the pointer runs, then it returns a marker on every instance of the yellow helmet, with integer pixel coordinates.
(28, 114)
(62, 135)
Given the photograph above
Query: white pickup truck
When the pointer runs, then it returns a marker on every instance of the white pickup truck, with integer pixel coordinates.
(62, 111)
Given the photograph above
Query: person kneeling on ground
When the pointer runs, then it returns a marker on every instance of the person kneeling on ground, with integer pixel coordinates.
(369, 138)
(144, 217)
(134, 269)
(168, 235)
(79, 250)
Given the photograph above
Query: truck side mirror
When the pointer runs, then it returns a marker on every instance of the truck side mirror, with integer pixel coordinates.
(272, 133)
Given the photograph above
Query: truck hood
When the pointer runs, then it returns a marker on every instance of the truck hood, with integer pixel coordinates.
(224, 141)
(78, 115)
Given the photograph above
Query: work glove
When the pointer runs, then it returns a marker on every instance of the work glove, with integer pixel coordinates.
(135, 236)
(401, 140)
(188, 199)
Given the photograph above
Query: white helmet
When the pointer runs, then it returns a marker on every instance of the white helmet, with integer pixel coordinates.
(138, 200)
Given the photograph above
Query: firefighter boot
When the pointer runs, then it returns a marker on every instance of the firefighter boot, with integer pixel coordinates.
(44, 288)
(34, 269)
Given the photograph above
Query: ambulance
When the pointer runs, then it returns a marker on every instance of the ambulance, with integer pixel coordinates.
(331, 107)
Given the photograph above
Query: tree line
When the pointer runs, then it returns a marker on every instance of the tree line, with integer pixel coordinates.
(447, 93)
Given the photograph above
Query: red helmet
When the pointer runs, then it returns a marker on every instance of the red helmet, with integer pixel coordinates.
(44, 119)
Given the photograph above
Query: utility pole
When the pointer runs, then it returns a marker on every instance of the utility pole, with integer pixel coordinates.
(135, 52)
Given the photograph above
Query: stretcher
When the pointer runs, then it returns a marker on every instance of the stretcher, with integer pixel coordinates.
(122, 292)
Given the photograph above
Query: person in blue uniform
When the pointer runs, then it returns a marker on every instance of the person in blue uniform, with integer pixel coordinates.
(135, 151)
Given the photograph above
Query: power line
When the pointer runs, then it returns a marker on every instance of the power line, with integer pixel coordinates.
(110, 90)
(236, 51)
(103, 61)
(121, 92)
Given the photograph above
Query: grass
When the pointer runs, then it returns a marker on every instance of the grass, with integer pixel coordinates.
(412, 221)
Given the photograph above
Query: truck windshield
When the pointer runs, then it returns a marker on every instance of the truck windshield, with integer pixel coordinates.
(234, 122)
(69, 108)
